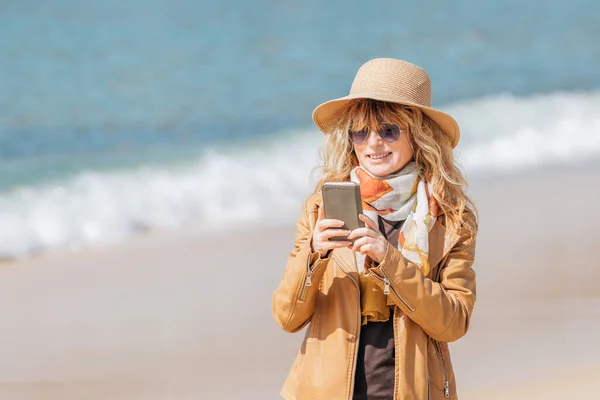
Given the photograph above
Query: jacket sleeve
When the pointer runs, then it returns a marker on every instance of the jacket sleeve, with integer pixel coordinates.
(294, 299)
(442, 309)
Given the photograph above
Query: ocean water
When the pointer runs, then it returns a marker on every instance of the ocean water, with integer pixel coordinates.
(121, 116)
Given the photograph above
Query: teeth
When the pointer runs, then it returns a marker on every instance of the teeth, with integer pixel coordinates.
(380, 156)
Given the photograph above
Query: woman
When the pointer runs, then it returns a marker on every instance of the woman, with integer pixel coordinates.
(382, 309)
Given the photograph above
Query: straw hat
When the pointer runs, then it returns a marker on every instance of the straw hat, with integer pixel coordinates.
(391, 80)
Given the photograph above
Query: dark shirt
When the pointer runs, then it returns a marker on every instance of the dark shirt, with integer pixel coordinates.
(375, 365)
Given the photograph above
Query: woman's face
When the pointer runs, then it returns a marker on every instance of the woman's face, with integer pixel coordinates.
(382, 158)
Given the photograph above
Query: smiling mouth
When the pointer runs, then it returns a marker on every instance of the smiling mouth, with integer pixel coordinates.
(379, 156)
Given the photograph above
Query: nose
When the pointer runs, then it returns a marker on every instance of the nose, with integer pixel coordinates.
(374, 139)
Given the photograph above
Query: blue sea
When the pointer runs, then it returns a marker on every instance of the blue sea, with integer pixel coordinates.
(121, 116)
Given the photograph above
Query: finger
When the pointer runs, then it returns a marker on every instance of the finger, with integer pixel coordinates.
(361, 232)
(324, 224)
(329, 233)
(359, 249)
(361, 242)
(366, 249)
(335, 245)
(370, 223)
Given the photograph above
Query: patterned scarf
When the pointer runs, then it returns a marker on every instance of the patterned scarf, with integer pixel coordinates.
(403, 196)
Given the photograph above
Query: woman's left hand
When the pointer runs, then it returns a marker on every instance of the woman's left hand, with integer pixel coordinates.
(370, 241)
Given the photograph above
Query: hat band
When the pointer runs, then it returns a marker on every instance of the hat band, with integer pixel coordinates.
(385, 96)
(400, 91)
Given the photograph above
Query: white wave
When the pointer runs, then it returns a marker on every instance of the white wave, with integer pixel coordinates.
(265, 184)
(261, 186)
(505, 133)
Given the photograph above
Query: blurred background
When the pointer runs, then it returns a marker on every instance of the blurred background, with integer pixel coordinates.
(154, 157)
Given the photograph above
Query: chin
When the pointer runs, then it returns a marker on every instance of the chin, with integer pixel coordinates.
(380, 170)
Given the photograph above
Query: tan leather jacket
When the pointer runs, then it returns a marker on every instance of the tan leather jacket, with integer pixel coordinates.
(430, 312)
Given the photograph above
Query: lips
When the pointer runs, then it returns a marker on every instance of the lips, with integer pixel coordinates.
(379, 156)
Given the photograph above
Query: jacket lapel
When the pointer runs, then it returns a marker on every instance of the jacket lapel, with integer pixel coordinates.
(436, 244)
(344, 259)
(441, 241)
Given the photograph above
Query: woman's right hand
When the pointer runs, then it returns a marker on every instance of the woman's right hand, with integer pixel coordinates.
(325, 229)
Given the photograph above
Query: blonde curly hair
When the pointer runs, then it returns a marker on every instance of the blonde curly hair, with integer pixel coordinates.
(432, 155)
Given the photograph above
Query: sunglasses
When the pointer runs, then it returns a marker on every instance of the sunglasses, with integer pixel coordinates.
(388, 131)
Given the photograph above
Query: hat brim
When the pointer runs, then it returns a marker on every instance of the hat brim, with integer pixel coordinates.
(327, 113)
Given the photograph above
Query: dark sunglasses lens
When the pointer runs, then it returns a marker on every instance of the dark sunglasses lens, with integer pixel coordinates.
(358, 137)
(389, 132)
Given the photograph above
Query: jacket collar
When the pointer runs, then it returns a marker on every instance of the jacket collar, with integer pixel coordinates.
(441, 241)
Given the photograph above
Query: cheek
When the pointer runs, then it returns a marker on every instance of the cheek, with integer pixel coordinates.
(408, 151)
(403, 149)
(359, 153)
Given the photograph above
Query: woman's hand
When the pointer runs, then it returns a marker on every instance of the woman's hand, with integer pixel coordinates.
(371, 242)
(325, 229)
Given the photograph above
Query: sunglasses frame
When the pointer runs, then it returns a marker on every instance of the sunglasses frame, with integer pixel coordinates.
(400, 130)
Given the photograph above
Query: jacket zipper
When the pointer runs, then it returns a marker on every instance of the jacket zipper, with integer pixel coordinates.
(438, 352)
(308, 280)
(357, 333)
(386, 289)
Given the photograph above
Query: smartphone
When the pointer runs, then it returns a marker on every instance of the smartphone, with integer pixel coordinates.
(341, 200)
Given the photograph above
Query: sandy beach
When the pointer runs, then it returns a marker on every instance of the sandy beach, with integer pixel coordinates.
(187, 315)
